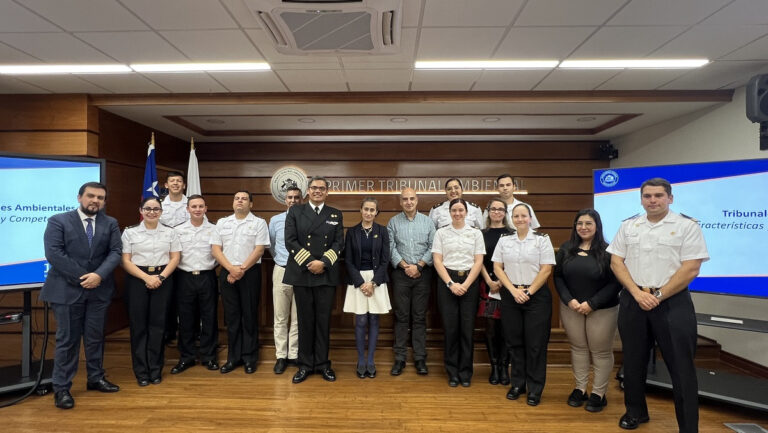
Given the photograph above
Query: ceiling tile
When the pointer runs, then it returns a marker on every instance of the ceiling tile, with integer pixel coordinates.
(741, 12)
(124, 83)
(561, 79)
(242, 14)
(666, 12)
(444, 80)
(642, 79)
(373, 80)
(86, 15)
(261, 81)
(63, 84)
(14, 18)
(54, 47)
(476, 13)
(267, 48)
(10, 85)
(313, 80)
(323, 63)
(411, 12)
(757, 50)
(509, 80)
(12, 55)
(717, 75)
(710, 42)
(465, 43)
(214, 45)
(567, 12)
(406, 54)
(194, 82)
(182, 14)
(625, 42)
(541, 42)
(134, 47)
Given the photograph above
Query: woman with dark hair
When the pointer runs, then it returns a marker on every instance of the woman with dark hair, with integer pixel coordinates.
(367, 256)
(490, 300)
(589, 295)
(151, 252)
(441, 213)
(523, 262)
(457, 252)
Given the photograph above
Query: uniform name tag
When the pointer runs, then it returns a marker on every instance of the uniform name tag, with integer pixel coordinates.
(332, 222)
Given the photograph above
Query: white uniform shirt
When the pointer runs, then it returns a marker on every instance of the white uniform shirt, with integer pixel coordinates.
(458, 246)
(150, 247)
(196, 246)
(654, 252)
(441, 215)
(238, 238)
(174, 212)
(534, 221)
(522, 259)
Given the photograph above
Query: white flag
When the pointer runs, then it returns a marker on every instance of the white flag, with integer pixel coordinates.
(193, 175)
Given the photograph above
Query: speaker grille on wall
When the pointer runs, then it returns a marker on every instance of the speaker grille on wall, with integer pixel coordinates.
(757, 98)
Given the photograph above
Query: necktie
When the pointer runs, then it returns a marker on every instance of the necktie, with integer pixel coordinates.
(317, 210)
(89, 230)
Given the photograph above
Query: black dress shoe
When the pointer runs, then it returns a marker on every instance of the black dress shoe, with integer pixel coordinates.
(300, 375)
(63, 400)
(493, 379)
(360, 371)
(576, 398)
(229, 366)
(595, 403)
(211, 365)
(630, 423)
(329, 374)
(421, 367)
(370, 370)
(250, 367)
(504, 374)
(181, 366)
(102, 385)
(397, 368)
(533, 400)
(156, 380)
(280, 366)
(453, 381)
(466, 383)
(514, 392)
(142, 382)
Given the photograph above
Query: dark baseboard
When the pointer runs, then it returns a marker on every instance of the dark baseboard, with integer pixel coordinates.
(750, 367)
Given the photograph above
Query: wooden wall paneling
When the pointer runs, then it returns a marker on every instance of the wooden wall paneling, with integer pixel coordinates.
(45, 113)
(73, 143)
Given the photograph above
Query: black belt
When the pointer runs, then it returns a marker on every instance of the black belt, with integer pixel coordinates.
(459, 273)
(196, 272)
(152, 269)
(651, 290)
(525, 286)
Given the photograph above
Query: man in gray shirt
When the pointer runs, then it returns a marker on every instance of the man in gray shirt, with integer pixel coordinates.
(410, 243)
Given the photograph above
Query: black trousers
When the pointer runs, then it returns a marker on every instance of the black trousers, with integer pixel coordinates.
(313, 308)
(241, 308)
(147, 311)
(458, 314)
(197, 298)
(81, 319)
(411, 299)
(673, 326)
(526, 329)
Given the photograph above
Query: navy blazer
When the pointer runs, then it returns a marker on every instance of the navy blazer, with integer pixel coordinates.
(379, 256)
(67, 251)
(308, 237)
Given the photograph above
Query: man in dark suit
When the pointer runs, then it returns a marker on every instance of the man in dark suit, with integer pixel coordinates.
(314, 238)
(83, 248)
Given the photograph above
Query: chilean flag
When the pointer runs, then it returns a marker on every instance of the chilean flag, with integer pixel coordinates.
(150, 173)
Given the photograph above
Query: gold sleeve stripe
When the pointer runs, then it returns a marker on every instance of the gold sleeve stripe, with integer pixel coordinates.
(331, 254)
(301, 256)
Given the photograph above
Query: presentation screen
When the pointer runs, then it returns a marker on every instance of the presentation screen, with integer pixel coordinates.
(728, 199)
(33, 189)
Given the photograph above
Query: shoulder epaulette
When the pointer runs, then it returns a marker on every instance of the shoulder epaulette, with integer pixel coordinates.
(472, 204)
(632, 217)
(166, 225)
(540, 234)
(438, 205)
(508, 233)
(689, 217)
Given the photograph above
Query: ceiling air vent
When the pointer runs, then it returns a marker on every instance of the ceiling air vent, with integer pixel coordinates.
(331, 28)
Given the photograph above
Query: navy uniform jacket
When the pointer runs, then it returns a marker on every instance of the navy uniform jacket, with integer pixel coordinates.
(67, 251)
(308, 237)
(379, 256)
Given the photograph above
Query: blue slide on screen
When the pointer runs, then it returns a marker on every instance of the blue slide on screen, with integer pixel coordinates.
(728, 199)
(34, 189)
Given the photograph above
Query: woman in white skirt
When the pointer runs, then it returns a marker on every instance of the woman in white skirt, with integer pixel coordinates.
(367, 257)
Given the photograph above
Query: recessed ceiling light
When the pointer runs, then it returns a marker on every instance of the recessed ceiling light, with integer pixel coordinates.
(63, 69)
(586, 119)
(199, 67)
(635, 63)
(398, 120)
(306, 120)
(215, 121)
(491, 119)
(487, 64)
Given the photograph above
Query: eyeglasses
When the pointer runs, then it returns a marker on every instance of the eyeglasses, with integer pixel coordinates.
(497, 209)
(152, 209)
(318, 188)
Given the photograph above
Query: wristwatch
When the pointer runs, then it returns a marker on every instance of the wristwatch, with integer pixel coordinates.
(658, 294)
(162, 278)
(527, 293)
(449, 283)
(419, 267)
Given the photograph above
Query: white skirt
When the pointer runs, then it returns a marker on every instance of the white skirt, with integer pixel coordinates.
(356, 302)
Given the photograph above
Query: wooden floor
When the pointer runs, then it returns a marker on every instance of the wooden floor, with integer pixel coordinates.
(199, 400)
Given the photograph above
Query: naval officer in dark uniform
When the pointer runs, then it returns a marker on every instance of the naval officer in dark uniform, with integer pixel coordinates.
(314, 238)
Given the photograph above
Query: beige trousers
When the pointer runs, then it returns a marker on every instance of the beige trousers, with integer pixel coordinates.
(286, 337)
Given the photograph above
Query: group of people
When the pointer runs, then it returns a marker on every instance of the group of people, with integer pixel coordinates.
(493, 265)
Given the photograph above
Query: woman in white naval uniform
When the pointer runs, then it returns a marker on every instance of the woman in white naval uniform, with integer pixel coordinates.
(151, 252)
(523, 261)
(441, 213)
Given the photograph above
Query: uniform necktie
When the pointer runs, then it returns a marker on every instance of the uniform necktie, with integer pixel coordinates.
(89, 230)
(317, 210)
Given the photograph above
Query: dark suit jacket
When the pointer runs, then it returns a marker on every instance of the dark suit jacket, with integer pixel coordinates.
(308, 237)
(379, 253)
(67, 251)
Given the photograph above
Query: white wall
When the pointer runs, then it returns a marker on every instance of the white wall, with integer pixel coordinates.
(717, 133)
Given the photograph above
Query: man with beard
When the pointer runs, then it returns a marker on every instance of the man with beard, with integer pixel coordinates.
(83, 247)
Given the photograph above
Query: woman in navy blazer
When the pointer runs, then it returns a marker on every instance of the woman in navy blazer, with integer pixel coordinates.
(367, 258)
